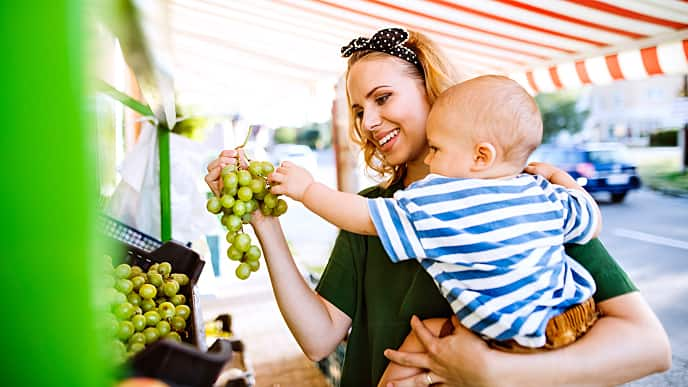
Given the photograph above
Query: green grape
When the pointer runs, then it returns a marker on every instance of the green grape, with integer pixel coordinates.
(246, 218)
(253, 265)
(137, 281)
(170, 288)
(124, 285)
(270, 200)
(178, 324)
(255, 168)
(230, 180)
(155, 279)
(280, 208)
(136, 347)
(135, 270)
(227, 201)
(151, 334)
(257, 185)
(148, 304)
(134, 298)
(125, 330)
(233, 223)
(181, 278)
(230, 236)
(231, 191)
(265, 210)
(183, 311)
(253, 253)
(124, 311)
(242, 242)
(239, 208)
(152, 317)
(122, 271)
(173, 336)
(268, 168)
(108, 281)
(213, 205)
(163, 328)
(137, 337)
(244, 177)
(245, 194)
(166, 310)
(260, 195)
(139, 322)
(153, 268)
(111, 325)
(148, 292)
(178, 299)
(251, 206)
(243, 271)
(228, 169)
(233, 253)
(165, 269)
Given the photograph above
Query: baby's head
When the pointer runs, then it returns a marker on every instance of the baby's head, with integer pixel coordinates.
(485, 127)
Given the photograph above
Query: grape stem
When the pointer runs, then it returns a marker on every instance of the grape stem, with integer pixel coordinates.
(248, 134)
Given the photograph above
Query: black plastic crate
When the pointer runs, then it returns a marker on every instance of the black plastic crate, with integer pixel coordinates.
(189, 363)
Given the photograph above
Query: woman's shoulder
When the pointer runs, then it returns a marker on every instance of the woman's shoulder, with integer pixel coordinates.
(379, 191)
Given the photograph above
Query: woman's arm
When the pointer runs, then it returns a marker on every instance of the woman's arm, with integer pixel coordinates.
(317, 325)
(627, 343)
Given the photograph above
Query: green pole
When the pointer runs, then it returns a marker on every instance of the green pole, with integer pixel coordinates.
(48, 200)
(165, 195)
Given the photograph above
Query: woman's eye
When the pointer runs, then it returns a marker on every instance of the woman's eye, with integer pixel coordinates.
(358, 114)
(433, 148)
(381, 99)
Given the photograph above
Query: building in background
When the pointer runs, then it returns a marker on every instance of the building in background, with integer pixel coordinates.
(629, 111)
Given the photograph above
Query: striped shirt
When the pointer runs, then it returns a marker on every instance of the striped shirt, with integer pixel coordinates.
(494, 248)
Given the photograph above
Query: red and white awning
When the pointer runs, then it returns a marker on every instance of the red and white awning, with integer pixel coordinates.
(544, 44)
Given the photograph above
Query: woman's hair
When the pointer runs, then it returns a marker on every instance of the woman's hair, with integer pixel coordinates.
(438, 75)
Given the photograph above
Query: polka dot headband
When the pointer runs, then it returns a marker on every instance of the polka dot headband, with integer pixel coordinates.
(389, 40)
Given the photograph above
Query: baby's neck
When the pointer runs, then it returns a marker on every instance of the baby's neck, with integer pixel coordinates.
(497, 171)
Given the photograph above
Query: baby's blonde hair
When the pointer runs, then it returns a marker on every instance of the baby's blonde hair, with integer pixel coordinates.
(438, 75)
(497, 110)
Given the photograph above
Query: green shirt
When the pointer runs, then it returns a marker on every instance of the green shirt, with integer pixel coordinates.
(381, 296)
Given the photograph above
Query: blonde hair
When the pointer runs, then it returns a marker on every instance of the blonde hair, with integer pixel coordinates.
(438, 75)
(498, 110)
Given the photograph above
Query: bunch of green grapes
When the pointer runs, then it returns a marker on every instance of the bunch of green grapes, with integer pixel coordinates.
(144, 306)
(245, 191)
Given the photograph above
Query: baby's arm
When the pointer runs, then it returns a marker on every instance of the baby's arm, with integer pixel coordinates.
(559, 177)
(345, 210)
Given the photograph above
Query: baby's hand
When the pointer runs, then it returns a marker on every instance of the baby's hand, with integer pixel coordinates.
(551, 173)
(291, 180)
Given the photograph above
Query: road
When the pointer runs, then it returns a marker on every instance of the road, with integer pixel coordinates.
(648, 235)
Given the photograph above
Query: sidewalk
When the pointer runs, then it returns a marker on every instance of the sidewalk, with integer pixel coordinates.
(269, 346)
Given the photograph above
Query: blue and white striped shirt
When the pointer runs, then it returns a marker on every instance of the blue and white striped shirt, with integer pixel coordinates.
(494, 248)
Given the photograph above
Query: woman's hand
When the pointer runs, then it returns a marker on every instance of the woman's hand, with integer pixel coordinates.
(226, 157)
(459, 359)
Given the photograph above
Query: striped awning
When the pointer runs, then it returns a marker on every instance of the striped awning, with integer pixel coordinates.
(544, 44)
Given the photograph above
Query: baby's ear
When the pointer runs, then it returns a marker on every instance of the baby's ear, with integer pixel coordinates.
(484, 155)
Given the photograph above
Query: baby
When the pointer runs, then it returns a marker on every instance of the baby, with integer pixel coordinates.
(490, 235)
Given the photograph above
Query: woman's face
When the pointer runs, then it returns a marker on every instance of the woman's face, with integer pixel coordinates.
(390, 108)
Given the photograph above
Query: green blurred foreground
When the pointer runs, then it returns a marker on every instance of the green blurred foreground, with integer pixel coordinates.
(47, 200)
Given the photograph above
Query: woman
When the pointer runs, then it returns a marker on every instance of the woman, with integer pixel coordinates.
(391, 84)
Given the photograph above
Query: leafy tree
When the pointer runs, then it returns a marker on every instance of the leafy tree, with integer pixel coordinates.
(560, 114)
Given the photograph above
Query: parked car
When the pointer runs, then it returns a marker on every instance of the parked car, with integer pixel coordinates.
(598, 167)
(300, 155)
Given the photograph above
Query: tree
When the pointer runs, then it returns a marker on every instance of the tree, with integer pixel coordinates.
(560, 114)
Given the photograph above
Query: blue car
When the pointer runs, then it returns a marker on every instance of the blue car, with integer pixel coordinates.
(599, 167)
